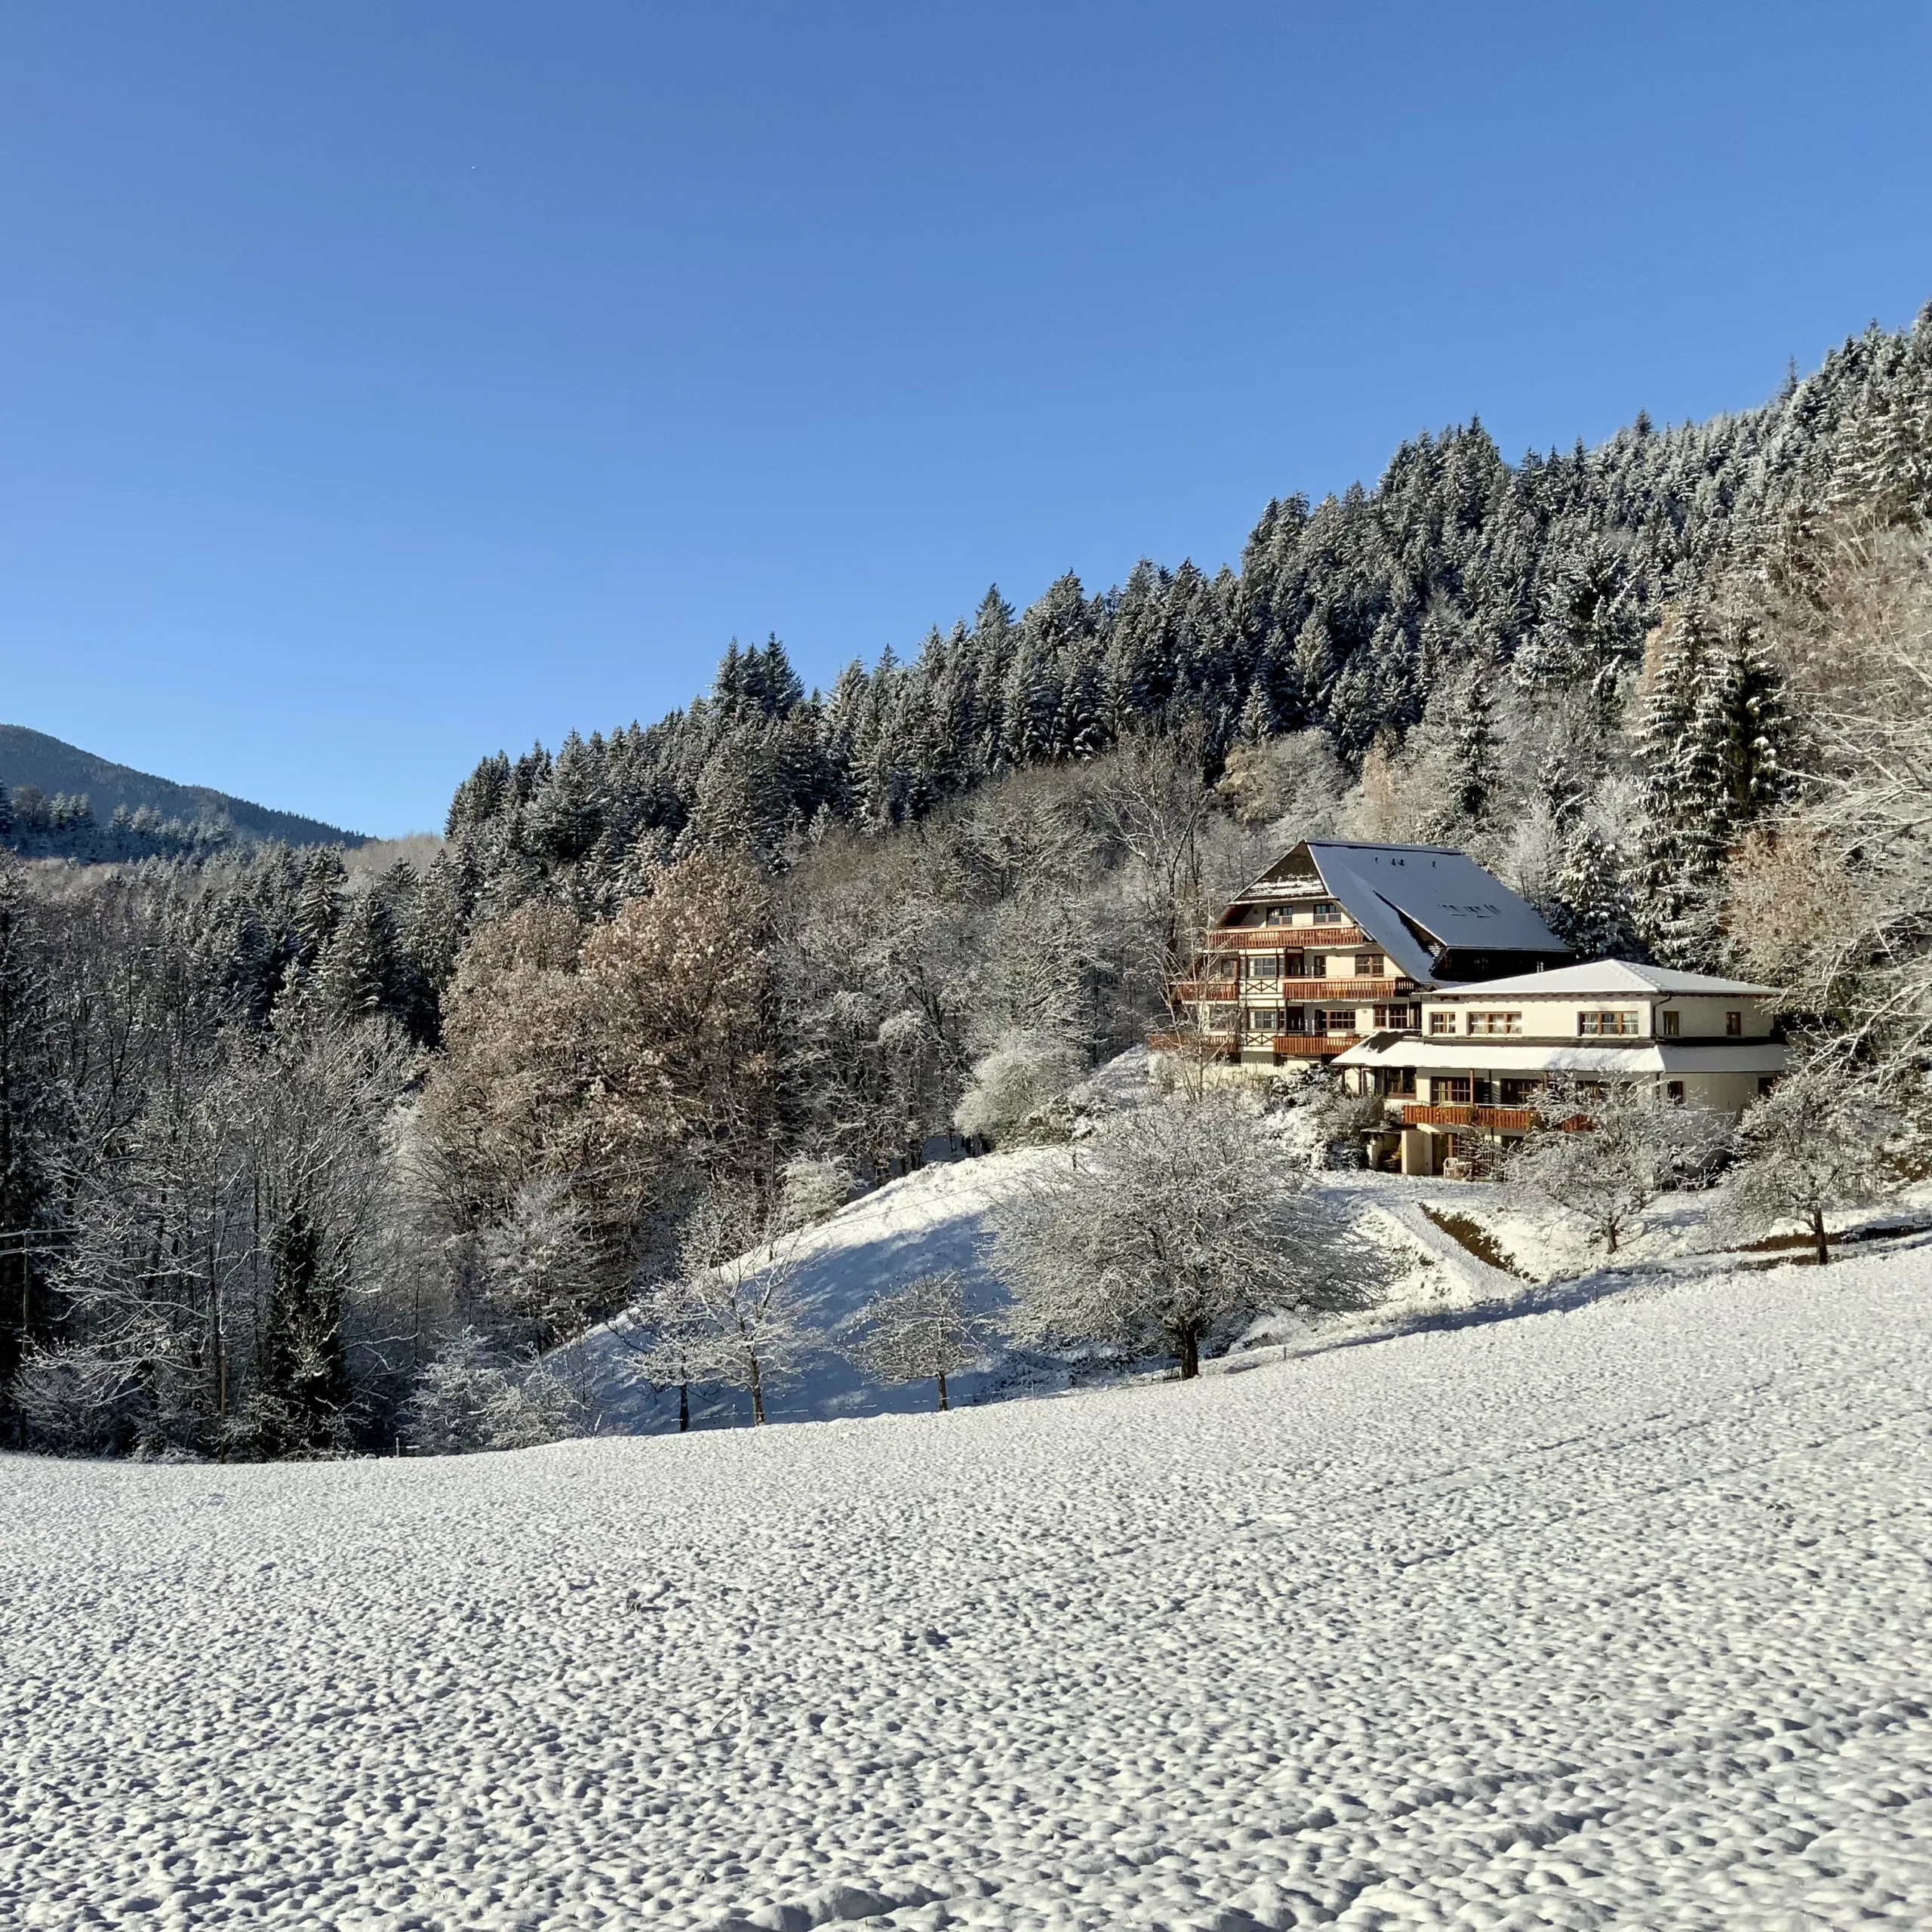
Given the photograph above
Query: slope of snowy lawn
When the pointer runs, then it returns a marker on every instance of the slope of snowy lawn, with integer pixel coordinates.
(1615, 1616)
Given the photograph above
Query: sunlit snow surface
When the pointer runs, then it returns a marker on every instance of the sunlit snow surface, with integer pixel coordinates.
(1615, 1616)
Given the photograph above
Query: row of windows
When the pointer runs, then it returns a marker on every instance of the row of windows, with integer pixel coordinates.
(1597, 1025)
(1268, 966)
(1325, 911)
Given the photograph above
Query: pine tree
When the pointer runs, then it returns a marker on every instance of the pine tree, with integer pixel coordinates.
(1594, 915)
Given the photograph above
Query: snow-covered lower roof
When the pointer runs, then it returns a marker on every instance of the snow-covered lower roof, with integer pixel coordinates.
(1457, 1055)
(1606, 979)
(1414, 901)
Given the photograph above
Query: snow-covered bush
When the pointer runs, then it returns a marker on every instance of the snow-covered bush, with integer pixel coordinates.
(1815, 1142)
(812, 1190)
(1166, 1230)
(924, 1330)
(471, 1397)
(1015, 1084)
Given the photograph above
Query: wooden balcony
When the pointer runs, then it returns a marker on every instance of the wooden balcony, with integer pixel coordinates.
(1211, 989)
(1497, 1120)
(1314, 1046)
(1285, 939)
(1377, 993)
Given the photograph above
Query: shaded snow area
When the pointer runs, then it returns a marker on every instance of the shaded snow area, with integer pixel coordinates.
(1616, 1616)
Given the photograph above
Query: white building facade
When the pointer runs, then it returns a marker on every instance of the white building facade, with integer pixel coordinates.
(1484, 1053)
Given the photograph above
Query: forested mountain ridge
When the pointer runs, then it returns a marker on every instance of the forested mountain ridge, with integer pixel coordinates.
(58, 801)
(1346, 616)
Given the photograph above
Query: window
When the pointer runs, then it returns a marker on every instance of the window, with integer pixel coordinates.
(1673, 1092)
(1327, 912)
(1496, 1023)
(1733, 1024)
(1221, 1018)
(1766, 1082)
(1336, 1019)
(1265, 1020)
(1264, 965)
(1277, 915)
(1398, 1019)
(1400, 1081)
(1520, 1093)
(1369, 965)
(1448, 1090)
(1442, 1023)
(1668, 1023)
(1594, 1023)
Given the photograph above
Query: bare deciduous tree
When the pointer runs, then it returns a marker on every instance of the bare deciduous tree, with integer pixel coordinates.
(1174, 1222)
(1815, 1142)
(734, 1312)
(923, 1330)
(1605, 1150)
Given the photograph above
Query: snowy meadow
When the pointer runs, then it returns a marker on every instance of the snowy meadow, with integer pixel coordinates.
(1612, 1616)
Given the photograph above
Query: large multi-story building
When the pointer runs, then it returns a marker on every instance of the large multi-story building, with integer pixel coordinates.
(1484, 1054)
(1337, 941)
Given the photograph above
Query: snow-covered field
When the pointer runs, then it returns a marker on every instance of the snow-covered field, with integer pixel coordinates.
(1612, 1616)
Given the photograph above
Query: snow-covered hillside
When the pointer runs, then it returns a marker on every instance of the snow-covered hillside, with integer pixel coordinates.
(1615, 1617)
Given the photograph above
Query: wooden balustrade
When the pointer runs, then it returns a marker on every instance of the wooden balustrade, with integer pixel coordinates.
(1285, 939)
(1500, 1120)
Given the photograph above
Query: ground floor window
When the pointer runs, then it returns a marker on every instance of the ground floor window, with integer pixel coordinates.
(1399, 1081)
(1449, 1090)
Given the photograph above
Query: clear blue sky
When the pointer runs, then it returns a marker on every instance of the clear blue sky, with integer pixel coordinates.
(383, 383)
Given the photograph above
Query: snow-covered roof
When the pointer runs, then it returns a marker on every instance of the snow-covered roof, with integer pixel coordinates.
(1600, 978)
(1454, 1054)
(1414, 901)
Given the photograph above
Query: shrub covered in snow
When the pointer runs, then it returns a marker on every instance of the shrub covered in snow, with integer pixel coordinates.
(471, 1397)
(1015, 1083)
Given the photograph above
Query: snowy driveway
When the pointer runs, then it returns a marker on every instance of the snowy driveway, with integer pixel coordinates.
(1615, 1617)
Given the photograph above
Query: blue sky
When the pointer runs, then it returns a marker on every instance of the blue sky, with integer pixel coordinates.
(381, 384)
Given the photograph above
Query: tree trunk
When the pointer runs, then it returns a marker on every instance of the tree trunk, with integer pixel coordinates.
(1609, 1237)
(684, 1407)
(942, 1388)
(1190, 1355)
(1818, 1235)
(757, 1397)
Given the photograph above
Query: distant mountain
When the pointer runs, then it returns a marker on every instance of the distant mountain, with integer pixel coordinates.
(57, 770)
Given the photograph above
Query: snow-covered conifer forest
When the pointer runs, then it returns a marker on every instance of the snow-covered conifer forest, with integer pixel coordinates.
(300, 1158)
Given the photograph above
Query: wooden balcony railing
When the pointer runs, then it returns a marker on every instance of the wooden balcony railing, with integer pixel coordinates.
(1380, 992)
(1501, 1120)
(1314, 1046)
(1213, 989)
(1283, 939)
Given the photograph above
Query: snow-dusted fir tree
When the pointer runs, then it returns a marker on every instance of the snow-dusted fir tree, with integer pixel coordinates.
(735, 1313)
(922, 1331)
(1815, 1143)
(1168, 1229)
(1606, 1151)
(1593, 913)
